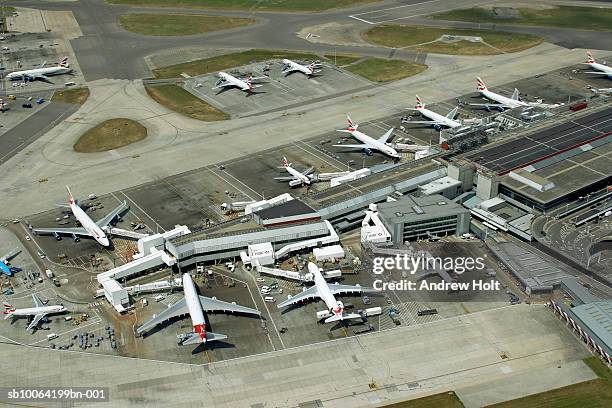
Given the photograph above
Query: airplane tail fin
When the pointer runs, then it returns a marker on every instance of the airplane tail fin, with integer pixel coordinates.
(285, 162)
(344, 316)
(351, 126)
(210, 336)
(8, 310)
(70, 197)
(64, 63)
(249, 82)
(419, 103)
(480, 85)
(590, 58)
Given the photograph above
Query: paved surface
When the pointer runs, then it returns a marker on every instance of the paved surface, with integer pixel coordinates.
(551, 141)
(107, 51)
(466, 354)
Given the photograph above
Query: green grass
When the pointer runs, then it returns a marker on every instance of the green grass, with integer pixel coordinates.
(179, 100)
(588, 394)
(76, 96)
(221, 62)
(110, 134)
(586, 18)
(443, 400)
(414, 37)
(179, 24)
(384, 70)
(256, 5)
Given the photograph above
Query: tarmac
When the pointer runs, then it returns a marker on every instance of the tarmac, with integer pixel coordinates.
(485, 357)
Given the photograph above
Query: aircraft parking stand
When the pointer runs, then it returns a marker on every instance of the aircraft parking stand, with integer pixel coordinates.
(278, 92)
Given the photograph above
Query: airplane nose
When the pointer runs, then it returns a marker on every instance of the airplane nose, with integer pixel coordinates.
(105, 242)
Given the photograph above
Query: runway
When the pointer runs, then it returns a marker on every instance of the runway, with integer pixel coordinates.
(554, 140)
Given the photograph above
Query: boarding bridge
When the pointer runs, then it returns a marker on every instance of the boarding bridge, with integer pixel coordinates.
(149, 287)
(155, 259)
(126, 233)
(298, 246)
(372, 228)
(281, 273)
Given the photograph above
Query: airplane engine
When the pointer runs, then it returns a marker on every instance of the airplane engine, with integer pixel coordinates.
(501, 108)
(57, 236)
(488, 108)
(438, 127)
(368, 152)
(75, 238)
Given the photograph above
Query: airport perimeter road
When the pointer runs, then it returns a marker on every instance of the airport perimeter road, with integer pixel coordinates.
(176, 144)
(107, 51)
(485, 357)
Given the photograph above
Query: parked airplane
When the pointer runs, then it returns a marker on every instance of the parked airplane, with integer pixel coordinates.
(226, 80)
(501, 102)
(5, 267)
(369, 143)
(297, 178)
(607, 91)
(41, 72)
(88, 227)
(601, 68)
(326, 292)
(290, 66)
(38, 311)
(193, 304)
(437, 121)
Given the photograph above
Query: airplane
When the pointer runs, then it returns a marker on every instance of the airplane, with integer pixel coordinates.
(227, 80)
(89, 228)
(502, 102)
(290, 66)
(326, 292)
(369, 143)
(297, 178)
(437, 121)
(601, 68)
(63, 67)
(607, 91)
(5, 267)
(38, 311)
(193, 305)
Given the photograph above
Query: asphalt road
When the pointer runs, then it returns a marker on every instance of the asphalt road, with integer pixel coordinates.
(107, 51)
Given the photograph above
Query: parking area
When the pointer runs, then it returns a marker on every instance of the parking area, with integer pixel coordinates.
(277, 91)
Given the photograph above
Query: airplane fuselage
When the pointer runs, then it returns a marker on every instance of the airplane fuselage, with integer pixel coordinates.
(299, 67)
(512, 103)
(436, 117)
(50, 71)
(304, 179)
(90, 226)
(33, 311)
(233, 81)
(334, 306)
(601, 67)
(194, 307)
(381, 147)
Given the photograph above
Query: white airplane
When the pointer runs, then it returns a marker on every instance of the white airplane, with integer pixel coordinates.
(501, 102)
(226, 80)
(297, 178)
(369, 143)
(193, 304)
(39, 311)
(607, 91)
(41, 72)
(88, 227)
(437, 121)
(601, 68)
(326, 292)
(290, 66)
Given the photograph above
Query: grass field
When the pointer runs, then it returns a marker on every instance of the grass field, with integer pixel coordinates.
(179, 100)
(383, 70)
(414, 37)
(179, 24)
(443, 400)
(587, 18)
(76, 96)
(256, 5)
(109, 135)
(221, 62)
(588, 394)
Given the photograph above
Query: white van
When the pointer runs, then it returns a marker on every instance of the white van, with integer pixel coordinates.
(159, 298)
(52, 336)
(264, 287)
(269, 299)
(265, 292)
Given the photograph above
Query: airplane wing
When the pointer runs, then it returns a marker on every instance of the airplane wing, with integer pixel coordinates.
(42, 65)
(214, 305)
(356, 146)
(67, 231)
(177, 309)
(35, 321)
(515, 95)
(308, 171)
(110, 217)
(596, 72)
(37, 301)
(424, 122)
(491, 105)
(222, 83)
(310, 293)
(343, 289)
(40, 76)
(386, 136)
(6, 258)
(451, 115)
(288, 68)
